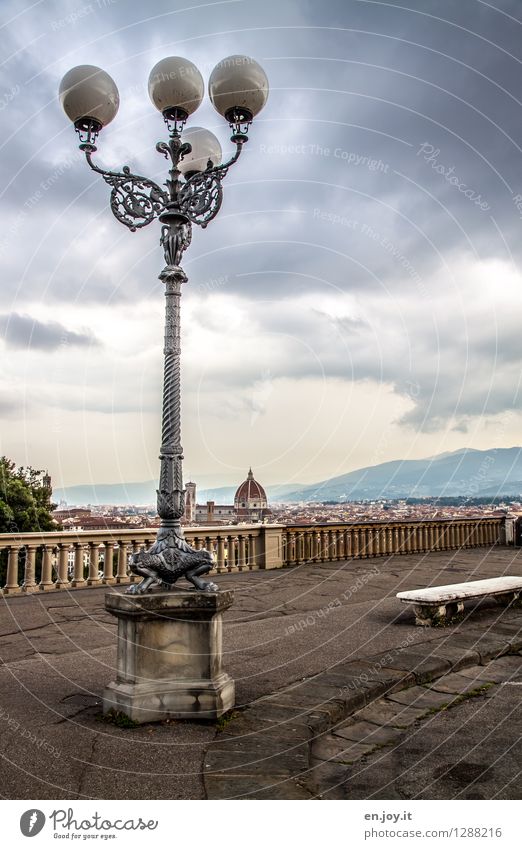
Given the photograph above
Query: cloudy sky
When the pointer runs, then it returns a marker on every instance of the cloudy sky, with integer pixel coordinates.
(358, 298)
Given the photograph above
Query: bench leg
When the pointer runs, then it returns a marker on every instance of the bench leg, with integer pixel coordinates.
(506, 599)
(429, 614)
(454, 609)
(436, 614)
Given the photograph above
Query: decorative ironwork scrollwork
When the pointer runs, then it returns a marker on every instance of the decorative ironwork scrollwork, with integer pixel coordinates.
(135, 200)
(201, 196)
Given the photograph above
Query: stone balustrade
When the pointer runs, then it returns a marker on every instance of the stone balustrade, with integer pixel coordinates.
(332, 541)
(70, 560)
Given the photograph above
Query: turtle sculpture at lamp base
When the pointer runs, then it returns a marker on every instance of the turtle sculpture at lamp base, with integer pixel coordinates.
(169, 559)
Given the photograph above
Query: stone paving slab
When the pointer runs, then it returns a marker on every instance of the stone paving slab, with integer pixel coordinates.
(332, 748)
(332, 710)
(278, 716)
(370, 671)
(330, 776)
(505, 668)
(455, 684)
(384, 712)
(421, 697)
(486, 643)
(458, 656)
(226, 760)
(282, 787)
(248, 727)
(512, 632)
(361, 731)
(423, 665)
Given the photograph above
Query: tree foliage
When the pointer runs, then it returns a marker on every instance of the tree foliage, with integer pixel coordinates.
(25, 505)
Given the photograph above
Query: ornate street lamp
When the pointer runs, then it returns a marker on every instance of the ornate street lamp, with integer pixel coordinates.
(238, 89)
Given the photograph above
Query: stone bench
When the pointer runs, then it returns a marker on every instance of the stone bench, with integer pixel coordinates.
(437, 605)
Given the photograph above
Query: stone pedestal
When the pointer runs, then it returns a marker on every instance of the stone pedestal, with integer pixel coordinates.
(169, 656)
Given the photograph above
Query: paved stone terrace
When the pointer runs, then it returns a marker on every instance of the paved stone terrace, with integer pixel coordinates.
(458, 736)
(58, 652)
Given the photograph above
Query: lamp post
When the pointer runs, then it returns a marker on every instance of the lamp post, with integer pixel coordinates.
(192, 194)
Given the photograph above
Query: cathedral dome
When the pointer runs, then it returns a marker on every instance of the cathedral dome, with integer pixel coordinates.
(250, 494)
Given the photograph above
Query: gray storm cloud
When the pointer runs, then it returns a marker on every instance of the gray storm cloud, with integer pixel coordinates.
(385, 168)
(23, 331)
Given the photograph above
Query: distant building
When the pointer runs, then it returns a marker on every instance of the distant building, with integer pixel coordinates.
(215, 514)
(250, 502)
(250, 506)
(72, 513)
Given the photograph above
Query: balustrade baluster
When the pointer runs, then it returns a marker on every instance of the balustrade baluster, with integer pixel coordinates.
(62, 580)
(29, 584)
(93, 576)
(307, 546)
(376, 542)
(122, 576)
(299, 551)
(291, 548)
(330, 543)
(242, 561)
(483, 533)
(389, 541)
(108, 562)
(11, 585)
(252, 553)
(231, 554)
(220, 553)
(355, 542)
(339, 544)
(79, 577)
(47, 568)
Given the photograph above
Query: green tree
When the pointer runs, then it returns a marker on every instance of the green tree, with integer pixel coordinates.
(25, 505)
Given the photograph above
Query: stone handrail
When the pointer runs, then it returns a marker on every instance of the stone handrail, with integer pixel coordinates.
(75, 559)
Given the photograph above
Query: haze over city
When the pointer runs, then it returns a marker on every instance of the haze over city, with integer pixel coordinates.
(356, 301)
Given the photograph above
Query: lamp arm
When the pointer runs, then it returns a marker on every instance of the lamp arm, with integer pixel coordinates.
(226, 165)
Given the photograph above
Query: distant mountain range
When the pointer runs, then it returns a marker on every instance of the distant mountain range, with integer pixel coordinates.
(144, 493)
(466, 472)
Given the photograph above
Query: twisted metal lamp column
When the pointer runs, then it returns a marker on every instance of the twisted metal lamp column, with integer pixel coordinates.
(137, 201)
(171, 495)
(171, 557)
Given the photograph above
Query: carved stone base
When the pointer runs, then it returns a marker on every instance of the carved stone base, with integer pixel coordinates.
(437, 614)
(169, 656)
(198, 699)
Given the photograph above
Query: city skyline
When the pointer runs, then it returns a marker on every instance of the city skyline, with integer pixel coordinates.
(357, 299)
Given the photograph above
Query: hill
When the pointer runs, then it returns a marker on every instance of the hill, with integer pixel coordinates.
(466, 473)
